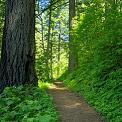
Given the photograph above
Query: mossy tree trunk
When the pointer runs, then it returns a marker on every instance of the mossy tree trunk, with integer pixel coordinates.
(18, 47)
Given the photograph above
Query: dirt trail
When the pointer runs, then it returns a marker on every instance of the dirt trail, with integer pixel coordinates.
(71, 107)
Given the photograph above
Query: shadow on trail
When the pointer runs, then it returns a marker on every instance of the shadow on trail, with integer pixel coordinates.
(72, 108)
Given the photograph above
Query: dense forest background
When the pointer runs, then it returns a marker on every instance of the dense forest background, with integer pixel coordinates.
(78, 42)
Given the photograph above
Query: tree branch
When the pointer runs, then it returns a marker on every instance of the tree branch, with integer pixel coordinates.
(45, 9)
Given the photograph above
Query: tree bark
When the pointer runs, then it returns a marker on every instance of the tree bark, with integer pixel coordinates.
(72, 48)
(59, 50)
(18, 47)
(2, 7)
(48, 51)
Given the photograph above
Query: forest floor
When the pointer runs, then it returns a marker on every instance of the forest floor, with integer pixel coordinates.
(71, 107)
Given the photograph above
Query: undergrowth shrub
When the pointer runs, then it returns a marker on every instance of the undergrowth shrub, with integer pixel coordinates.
(99, 74)
(26, 104)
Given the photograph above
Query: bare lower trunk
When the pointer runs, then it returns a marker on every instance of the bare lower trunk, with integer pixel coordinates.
(18, 47)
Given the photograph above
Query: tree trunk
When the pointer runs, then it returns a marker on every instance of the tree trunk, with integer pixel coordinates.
(2, 7)
(48, 53)
(18, 47)
(72, 48)
(59, 50)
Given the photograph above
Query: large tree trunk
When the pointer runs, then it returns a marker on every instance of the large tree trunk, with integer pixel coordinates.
(2, 5)
(72, 47)
(18, 47)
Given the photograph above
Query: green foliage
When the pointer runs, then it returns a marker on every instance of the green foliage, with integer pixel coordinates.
(26, 104)
(98, 77)
(43, 85)
(52, 61)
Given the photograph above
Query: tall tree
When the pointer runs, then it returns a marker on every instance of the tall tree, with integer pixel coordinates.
(18, 47)
(72, 48)
(49, 43)
(59, 49)
(2, 7)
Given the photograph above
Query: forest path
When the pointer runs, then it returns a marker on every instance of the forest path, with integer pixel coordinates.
(72, 108)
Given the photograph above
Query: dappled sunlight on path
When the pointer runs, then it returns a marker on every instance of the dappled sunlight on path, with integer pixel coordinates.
(71, 107)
